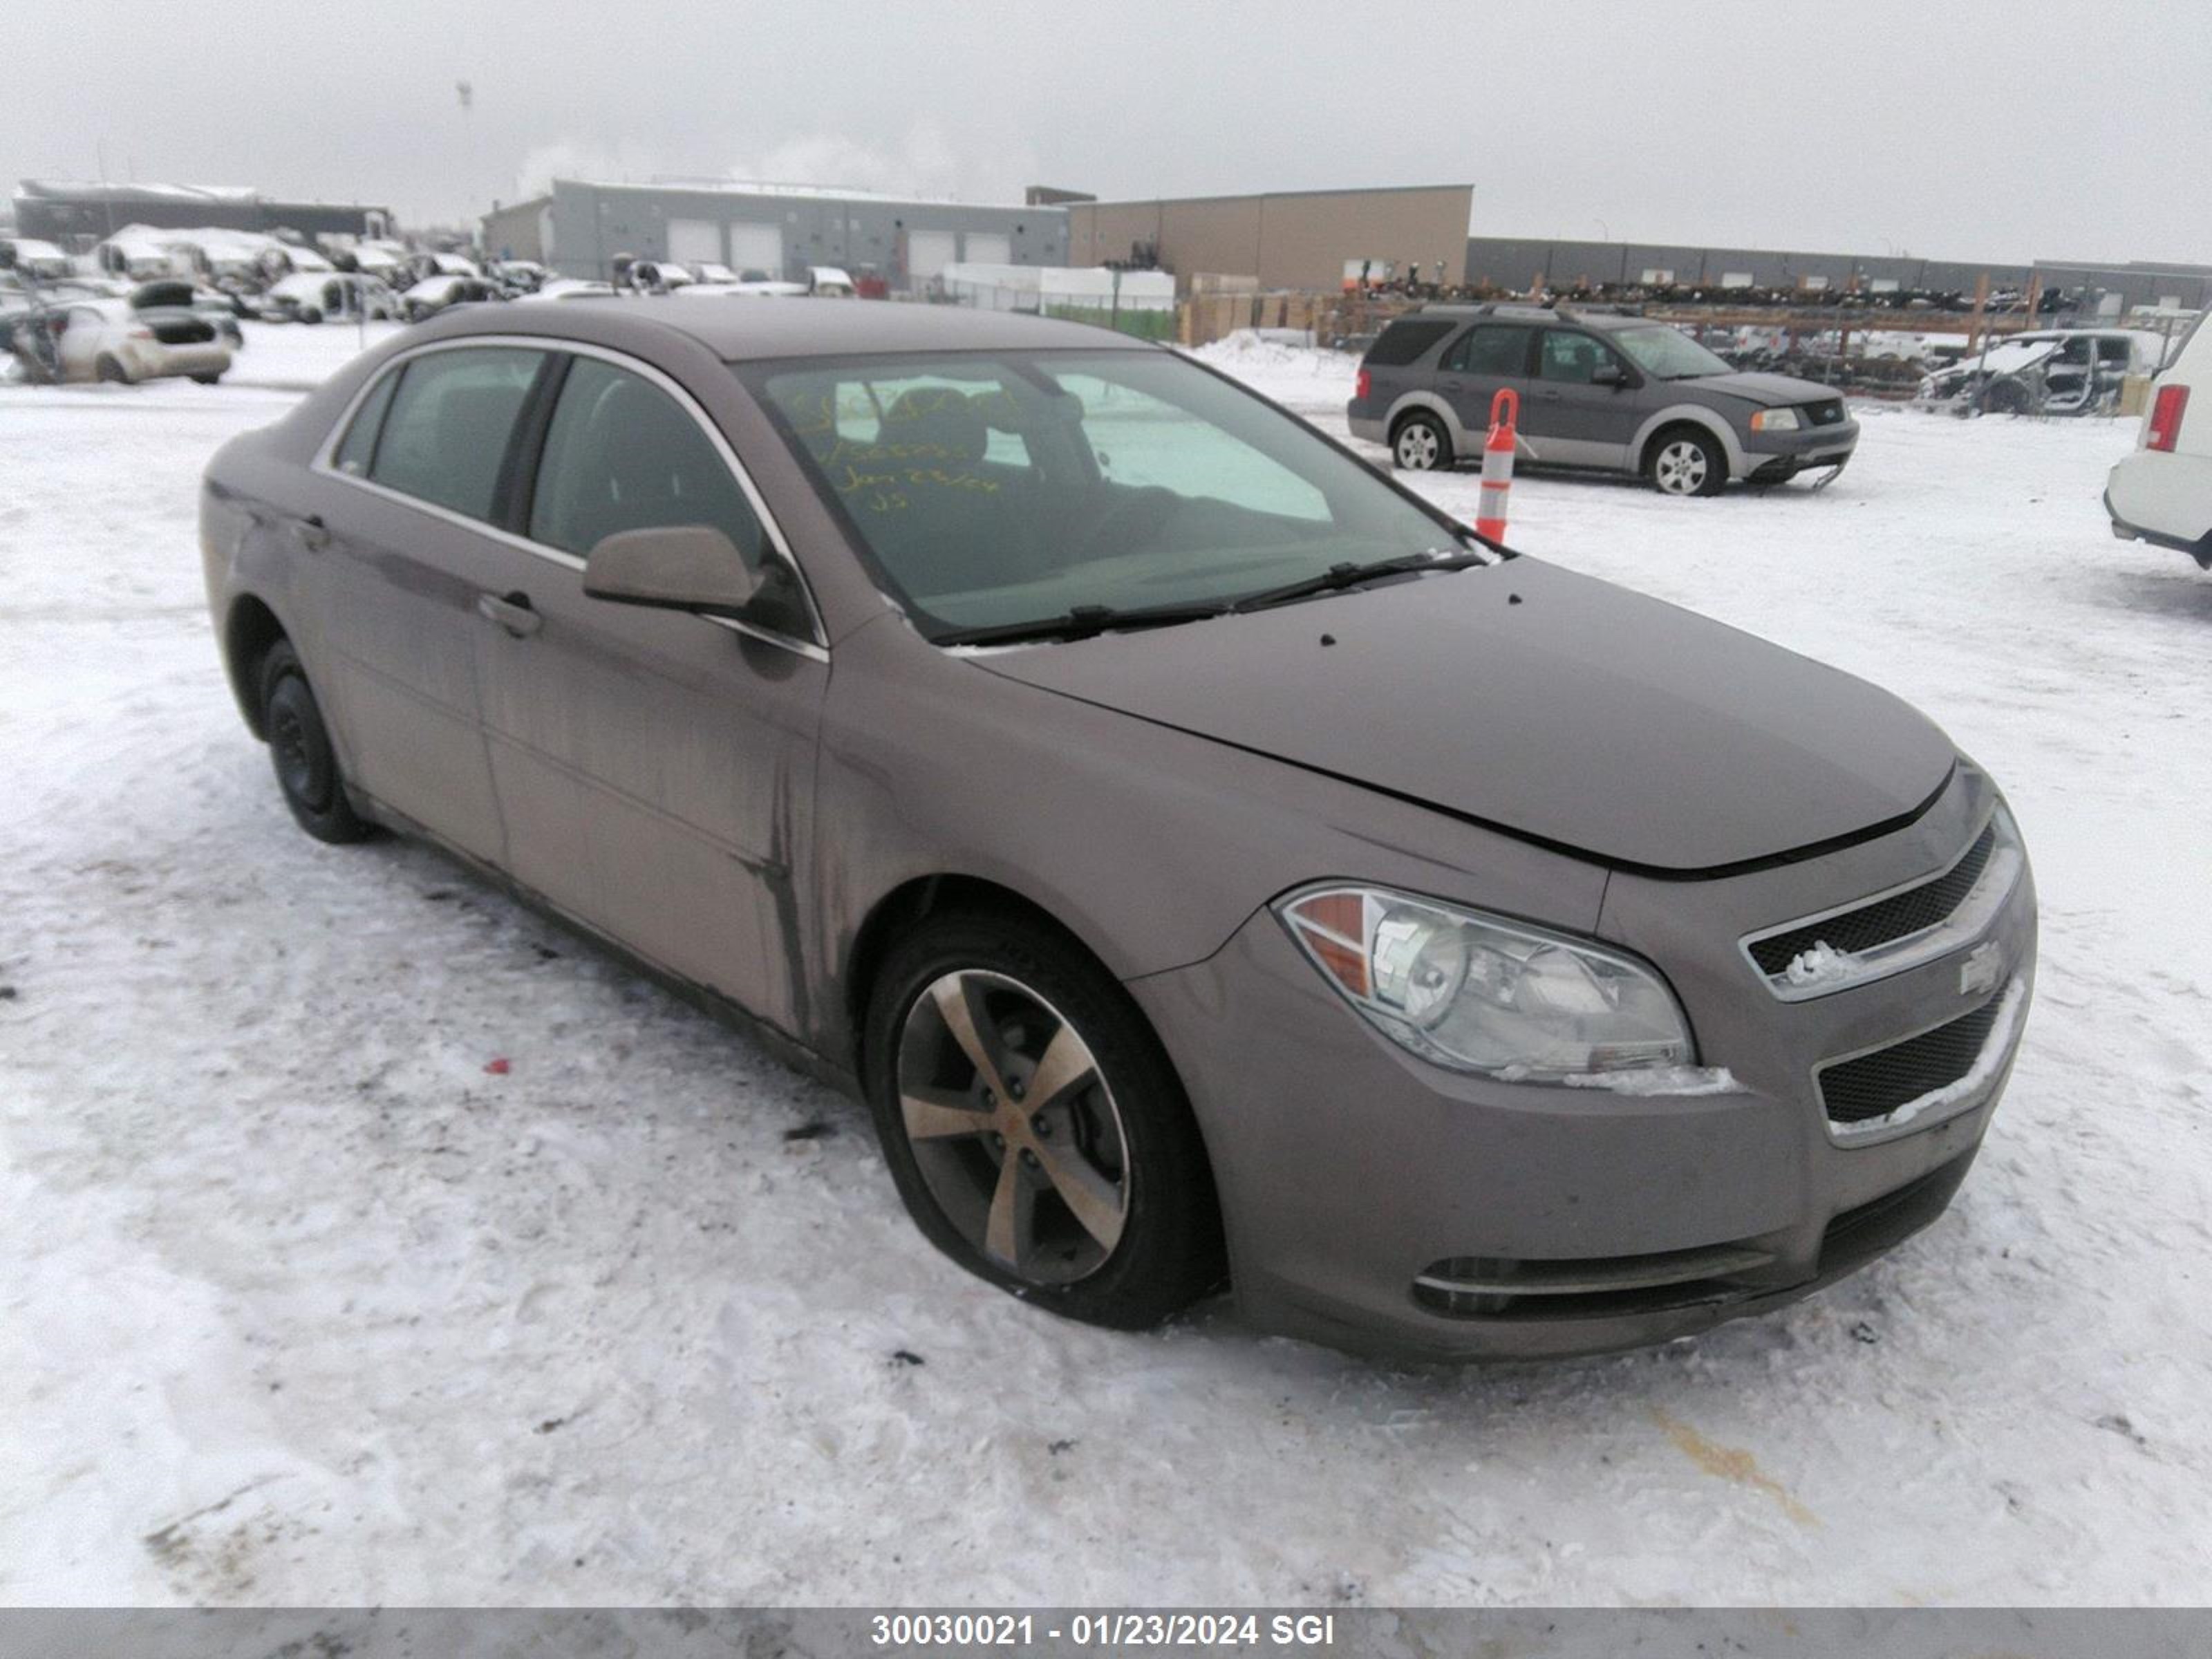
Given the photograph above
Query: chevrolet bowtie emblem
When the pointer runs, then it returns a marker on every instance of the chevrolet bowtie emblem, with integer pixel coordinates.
(1981, 970)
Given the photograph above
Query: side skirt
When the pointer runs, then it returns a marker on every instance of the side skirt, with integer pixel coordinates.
(780, 1044)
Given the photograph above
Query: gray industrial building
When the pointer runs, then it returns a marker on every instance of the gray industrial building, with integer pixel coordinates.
(1514, 262)
(75, 216)
(579, 227)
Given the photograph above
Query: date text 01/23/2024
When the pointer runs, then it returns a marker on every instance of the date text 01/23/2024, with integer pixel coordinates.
(1105, 1630)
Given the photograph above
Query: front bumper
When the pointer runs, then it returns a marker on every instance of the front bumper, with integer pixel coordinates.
(1350, 1172)
(1775, 457)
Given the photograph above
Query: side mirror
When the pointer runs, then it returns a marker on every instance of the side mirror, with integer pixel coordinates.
(1611, 374)
(689, 567)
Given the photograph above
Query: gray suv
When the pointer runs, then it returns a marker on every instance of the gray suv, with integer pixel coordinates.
(1620, 394)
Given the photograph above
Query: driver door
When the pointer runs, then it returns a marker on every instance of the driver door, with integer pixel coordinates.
(1575, 419)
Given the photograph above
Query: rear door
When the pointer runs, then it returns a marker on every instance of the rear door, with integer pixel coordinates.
(1480, 364)
(396, 572)
(654, 768)
(1570, 418)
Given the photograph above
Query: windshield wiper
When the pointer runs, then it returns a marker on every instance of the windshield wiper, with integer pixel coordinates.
(1339, 576)
(1080, 622)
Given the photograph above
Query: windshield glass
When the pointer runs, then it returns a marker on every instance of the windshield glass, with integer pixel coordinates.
(1010, 487)
(1668, 353)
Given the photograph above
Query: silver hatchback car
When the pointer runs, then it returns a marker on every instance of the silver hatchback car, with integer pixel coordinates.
(1210, 862)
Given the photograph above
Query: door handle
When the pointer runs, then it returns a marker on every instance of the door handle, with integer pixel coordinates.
(312, 533)
(513, 613)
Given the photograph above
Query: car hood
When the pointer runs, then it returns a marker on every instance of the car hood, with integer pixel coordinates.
(1767, 391)
(1550, 706)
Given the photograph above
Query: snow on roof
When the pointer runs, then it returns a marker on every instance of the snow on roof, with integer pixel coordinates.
(804, 192)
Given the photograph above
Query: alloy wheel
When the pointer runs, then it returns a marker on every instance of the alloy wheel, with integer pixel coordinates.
(1681, 468)
(1418, 447)
(1013, 1127)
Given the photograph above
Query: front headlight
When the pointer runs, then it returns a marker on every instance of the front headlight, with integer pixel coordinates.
(1775, 420)
(1481, 993)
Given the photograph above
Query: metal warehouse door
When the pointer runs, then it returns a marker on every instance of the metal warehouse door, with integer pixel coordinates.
(928, 253)
(757, 247)
(695, 241)
(989, 248)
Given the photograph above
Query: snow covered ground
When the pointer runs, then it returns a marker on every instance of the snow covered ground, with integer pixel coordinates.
(298, 1304)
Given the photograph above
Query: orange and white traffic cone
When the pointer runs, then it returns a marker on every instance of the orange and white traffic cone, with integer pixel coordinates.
(1497, 464)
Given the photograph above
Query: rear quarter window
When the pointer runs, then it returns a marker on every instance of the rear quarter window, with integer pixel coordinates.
(1405, 341)
(358, 448)
(446, 430)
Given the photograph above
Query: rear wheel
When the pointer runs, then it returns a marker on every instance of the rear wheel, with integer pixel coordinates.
(111, 371)
(1035, 1128)
(207, 379)
(1420, 445)
(1687, 462)
(300, 749)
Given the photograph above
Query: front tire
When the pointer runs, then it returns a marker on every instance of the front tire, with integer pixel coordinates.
(1420, 445)
(300, 749)
(1687, 462)
(1034, 1127)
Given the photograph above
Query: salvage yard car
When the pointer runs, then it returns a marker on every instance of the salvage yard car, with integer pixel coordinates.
(1613, 393)
(111, 340)
(2066, 371)
(1208, 860)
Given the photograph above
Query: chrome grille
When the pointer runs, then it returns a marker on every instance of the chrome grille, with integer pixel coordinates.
(1897, 916)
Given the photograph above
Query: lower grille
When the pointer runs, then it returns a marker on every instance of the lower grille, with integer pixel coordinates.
(1876, 1084)
(1858, 1236)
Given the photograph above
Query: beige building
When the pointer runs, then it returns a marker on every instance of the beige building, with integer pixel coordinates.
(1286, 238)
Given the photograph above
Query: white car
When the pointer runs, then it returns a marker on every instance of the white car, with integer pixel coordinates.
(570, 287)
(2162, 492)
(741, 290)
(109, 340)
(37, 259)
(311, 296)
(435, 293)
(829, 282)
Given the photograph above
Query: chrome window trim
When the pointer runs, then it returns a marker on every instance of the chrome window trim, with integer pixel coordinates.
(1973, 915)
(815, 649)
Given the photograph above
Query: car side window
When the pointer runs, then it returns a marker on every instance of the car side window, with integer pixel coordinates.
(1492, 348)
(1572, 357)
(621, 454)
(447, 431)
(359, 446)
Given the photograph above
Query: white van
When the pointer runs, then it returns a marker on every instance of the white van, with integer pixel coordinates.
(2162, 494)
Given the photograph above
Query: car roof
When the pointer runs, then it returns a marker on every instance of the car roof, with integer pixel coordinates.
(1508, 312)
(747, 330)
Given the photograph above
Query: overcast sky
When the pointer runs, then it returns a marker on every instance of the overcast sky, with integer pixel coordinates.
(2002, 132)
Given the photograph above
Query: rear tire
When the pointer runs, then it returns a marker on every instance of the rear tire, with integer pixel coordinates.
(1687, 461)
(207, 379)
(300, 749)
(111, 371)
(1420, 444)
(1088, 1193)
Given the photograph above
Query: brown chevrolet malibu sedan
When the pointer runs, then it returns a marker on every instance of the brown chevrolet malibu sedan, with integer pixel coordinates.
(1211, 862)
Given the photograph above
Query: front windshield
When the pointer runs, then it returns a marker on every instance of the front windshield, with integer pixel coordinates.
(996, 490)
(1668, 353)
